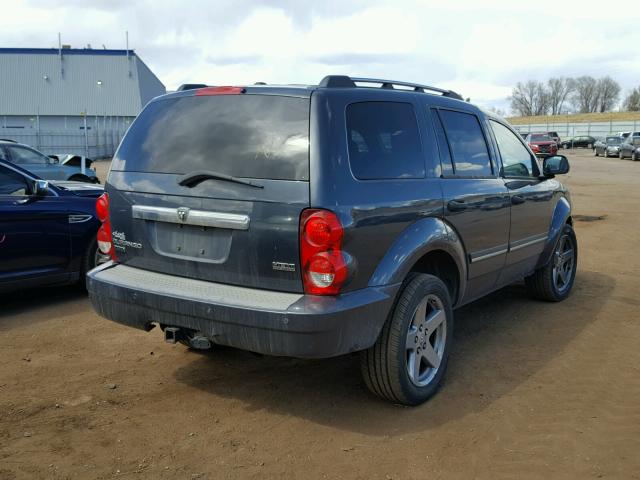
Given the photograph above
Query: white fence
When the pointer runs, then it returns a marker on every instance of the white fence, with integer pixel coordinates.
(98, 138)
(571, 129)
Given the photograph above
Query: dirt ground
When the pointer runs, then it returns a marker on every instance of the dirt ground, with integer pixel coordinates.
(534, 390)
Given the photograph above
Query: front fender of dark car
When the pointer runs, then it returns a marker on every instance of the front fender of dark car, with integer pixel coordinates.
(561, 215)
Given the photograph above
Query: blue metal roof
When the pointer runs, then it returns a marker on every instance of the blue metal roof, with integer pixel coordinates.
(68, 51)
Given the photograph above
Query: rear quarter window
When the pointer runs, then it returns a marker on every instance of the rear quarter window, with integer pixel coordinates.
(383, 141)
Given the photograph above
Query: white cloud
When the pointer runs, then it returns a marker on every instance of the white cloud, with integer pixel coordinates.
(477, 48)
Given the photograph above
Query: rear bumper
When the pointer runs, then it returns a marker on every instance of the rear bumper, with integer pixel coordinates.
(273, 323)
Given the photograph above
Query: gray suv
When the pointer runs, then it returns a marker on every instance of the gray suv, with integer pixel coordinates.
(315, 221)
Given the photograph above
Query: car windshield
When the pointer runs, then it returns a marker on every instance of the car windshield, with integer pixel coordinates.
(539, 138)
(614, 140)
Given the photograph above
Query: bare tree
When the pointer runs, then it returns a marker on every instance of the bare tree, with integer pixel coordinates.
(608, 94)
(529, 98)
(632, 102)
(585, 95)
(558, 91)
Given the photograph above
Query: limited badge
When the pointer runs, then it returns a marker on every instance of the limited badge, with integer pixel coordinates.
(283, 267)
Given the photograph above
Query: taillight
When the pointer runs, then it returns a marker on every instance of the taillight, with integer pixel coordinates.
(324, 269)
(104, 237)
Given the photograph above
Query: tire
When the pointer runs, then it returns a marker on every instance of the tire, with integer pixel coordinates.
(89, 261)
(80, 178)
(547, 283)
(620, 156)
(385, 366)
(634, 157)
(595, 151)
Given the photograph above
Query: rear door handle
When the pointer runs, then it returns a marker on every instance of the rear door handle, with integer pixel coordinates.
(456, 205)
(517, 199)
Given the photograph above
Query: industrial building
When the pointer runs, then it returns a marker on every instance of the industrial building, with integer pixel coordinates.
(65, 98)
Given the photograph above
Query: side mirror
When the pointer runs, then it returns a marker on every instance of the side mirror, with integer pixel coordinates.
(556, 165)
(40, 188)
(54, 158)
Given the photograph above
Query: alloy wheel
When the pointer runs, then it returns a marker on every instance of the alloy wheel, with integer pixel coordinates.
(426, 340)
(563, 264)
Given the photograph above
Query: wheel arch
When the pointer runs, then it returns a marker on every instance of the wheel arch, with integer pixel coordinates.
(426, 246)
(561, 216)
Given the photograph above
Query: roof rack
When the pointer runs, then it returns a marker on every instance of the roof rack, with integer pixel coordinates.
(344, 81)
(7, 140)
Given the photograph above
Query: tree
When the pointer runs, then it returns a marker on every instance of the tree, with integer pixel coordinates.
(632, 102)
(585, 94)
(558, 90)
(608, 94)
(529, 99)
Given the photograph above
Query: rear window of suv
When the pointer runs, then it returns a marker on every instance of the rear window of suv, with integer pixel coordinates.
(250, 136)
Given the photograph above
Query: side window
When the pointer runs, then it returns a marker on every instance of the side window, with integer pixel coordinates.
(468, 145)
(383, 141)
(516, 159)
(12, 183)
(26, 156)
(443, 146)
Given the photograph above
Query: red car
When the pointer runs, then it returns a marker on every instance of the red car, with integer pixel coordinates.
(542, 144)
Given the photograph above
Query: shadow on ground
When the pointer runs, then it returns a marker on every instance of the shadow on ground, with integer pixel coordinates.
(37, 304)
(500, 342)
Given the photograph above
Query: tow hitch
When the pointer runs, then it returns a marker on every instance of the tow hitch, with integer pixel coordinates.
(195, 340)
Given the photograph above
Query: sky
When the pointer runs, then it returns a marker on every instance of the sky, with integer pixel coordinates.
(477, 48)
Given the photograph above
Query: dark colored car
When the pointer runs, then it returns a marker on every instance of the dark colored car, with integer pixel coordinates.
(608, 147)
(579, 142)
(630, 148)
(317, 221)
(43, 166)
(541, 144)
(554, 136)
(47, 229)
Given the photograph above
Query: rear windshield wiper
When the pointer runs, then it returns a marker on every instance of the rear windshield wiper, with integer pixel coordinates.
(194, 178)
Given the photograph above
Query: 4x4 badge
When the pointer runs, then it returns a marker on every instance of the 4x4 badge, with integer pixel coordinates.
(183, 213)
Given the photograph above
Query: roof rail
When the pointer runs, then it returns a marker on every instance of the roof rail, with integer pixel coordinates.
(190, 86)
(7, 140)
(343, 81)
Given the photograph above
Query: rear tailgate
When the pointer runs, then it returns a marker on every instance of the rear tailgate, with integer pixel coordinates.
(215, 229)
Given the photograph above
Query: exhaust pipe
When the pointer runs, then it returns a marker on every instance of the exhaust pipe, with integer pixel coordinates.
(198, 342)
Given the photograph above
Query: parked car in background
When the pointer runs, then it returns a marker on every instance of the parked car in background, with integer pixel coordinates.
(41, 165)
(579, 142)
(623, 134)
(630, 147)
(541, 144)
(608, 146)
(47, 229)
(240, 228)
(554, 136)
(72, 160)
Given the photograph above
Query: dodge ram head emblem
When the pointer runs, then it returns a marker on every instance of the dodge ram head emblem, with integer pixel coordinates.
(183, 213)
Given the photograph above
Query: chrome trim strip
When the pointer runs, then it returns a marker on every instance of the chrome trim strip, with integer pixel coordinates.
(527, 242)
(79, 218)
(489, 255)
(200, 218)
